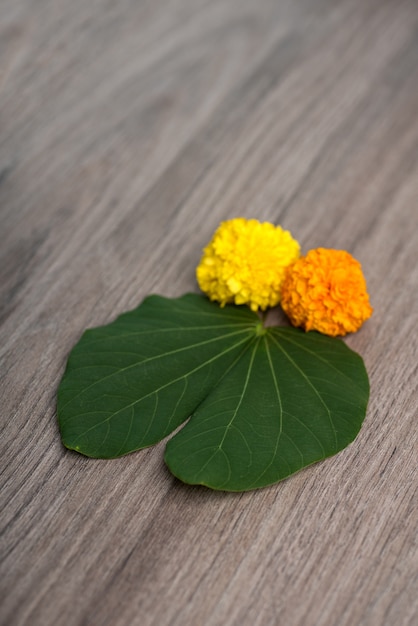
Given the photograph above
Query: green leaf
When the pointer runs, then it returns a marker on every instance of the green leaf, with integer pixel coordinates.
(291, 400)
(263, 403)
(129, 384)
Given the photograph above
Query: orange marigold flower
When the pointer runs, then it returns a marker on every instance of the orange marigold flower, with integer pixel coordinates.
(326, 291)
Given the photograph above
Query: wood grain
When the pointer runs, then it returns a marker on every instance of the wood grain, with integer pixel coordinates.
(128, 131)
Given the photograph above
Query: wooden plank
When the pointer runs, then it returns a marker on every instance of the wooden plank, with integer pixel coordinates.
(128, 131)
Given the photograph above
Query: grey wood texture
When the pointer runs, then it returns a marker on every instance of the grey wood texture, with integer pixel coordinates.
(128, 131)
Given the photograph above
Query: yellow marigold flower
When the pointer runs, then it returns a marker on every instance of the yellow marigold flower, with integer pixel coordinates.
(326, 291)
(245, 263)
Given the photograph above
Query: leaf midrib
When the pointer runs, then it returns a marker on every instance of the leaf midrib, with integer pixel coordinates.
(308, 381)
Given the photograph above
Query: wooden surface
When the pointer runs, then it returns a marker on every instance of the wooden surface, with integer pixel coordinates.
(128, 131)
